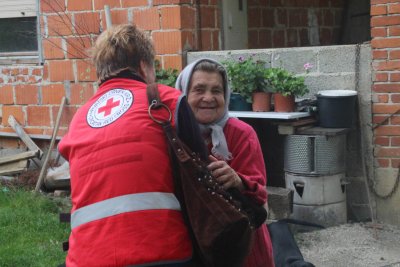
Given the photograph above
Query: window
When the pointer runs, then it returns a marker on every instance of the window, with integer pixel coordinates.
(18, 32)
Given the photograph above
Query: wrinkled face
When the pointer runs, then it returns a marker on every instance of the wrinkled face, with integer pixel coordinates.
(206, 96)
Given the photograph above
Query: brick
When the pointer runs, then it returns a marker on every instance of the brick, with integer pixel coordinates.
(66, 116)
(117, 17)
(187, 41)
(326, 36)
(386, 42)
(395, 98)
(173, 62)
(253, 39)
(384, 109)
(37, 71)
(60, 70)
(134, 3)
(169, 2)
(6, 94)
(387, 130)
(395, 141)
(383, 163)
(394, 54)
(80, 93)
(381, 77)
(395, 163)
(34, 130)
(16, 111)
(147, 19)
(291, 37)
(52, 94)
(387, 152)
(78, 47)
(87, 23)
(386, 65)
(52, 48)
(282, 17)
(395, 120)
(52, 6)
(86, 71)
(303, 34)
(382, 141)
(394, 31)
(99, 4)
(394, 8)
(278, 38)
(379, 54)
(268, 17)
(206, 40)
(254, 18)
(79, 5)
(378, 10)
(59, 25)
(26, 94)
(24, 71)
(384, 21)
(380, 119)
(379, 32)
(394, 77)
(167, 42)
(177, 17)
(38, 116)
(384, 98)
(208, 17)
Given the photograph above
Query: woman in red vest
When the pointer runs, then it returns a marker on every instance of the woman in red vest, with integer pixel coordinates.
(124, 212)
(236, 156)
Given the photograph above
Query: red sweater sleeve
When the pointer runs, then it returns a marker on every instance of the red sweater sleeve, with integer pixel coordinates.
(247, 161)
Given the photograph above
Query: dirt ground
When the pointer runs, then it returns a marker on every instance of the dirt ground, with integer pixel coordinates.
(355, 245)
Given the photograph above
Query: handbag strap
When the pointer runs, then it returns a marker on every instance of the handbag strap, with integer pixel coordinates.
(178, 147)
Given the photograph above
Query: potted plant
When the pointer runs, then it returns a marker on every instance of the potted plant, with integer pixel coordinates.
(246, 77)
(165, 76)
(286, 86)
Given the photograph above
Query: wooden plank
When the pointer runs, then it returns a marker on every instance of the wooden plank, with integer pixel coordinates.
(32, 136)
(24, 137)
(53, 139)
(280, 202)
(14, 167)
(18, 157)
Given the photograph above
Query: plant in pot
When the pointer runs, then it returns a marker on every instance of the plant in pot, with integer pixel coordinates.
(286, 86)
(165, 76)
(246, 78)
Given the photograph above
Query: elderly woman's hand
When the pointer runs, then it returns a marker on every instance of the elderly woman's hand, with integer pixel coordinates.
(225, 175)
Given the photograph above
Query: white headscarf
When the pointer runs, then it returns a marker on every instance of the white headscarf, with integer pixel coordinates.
(219, 145)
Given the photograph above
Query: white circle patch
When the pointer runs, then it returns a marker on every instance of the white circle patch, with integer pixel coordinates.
(109, 107)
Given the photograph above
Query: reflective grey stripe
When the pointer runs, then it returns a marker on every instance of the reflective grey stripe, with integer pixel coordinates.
(125, 203)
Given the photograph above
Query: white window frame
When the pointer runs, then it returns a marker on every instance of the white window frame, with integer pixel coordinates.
(17, 9)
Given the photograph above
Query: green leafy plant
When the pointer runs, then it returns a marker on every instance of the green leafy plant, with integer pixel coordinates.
(246, 76)
(165, 76)
(284, 82)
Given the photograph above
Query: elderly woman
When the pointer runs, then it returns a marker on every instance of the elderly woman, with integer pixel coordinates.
(236, 157)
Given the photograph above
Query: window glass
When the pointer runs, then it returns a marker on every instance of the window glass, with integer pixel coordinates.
(18, 34)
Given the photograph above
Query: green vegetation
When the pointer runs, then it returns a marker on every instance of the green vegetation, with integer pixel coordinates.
(31, 234)
(165, 76)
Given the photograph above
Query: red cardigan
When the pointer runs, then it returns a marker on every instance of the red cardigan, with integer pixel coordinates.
(248, 162)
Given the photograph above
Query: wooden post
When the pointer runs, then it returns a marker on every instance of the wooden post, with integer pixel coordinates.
(53, 139)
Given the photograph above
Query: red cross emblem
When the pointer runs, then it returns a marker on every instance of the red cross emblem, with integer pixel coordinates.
(108, 107)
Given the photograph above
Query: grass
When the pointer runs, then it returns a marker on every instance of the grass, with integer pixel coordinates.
(30, 231)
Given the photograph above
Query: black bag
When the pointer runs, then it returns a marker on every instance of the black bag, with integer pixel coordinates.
(222, 222)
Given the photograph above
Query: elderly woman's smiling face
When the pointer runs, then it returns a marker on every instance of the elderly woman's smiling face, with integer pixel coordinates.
(206, 96)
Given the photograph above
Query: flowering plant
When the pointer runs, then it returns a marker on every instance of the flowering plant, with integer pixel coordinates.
(246, 75)
(286, 83)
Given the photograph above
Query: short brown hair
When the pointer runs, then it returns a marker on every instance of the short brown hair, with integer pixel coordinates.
(121, 47)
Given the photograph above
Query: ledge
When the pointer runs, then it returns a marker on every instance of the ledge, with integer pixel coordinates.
(269, 115)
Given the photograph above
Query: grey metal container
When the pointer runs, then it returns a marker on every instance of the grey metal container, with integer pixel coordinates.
(315, 154)
(317, 190)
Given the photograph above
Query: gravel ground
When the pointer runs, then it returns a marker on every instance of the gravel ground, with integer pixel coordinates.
(352, 245)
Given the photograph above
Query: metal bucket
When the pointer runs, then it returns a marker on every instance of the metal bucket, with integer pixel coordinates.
(315, 154)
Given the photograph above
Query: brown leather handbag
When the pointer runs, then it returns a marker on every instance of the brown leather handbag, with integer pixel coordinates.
(221, 228)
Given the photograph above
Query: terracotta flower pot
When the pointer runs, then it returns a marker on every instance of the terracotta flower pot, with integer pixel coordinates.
(284, 103)
(261, 101)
